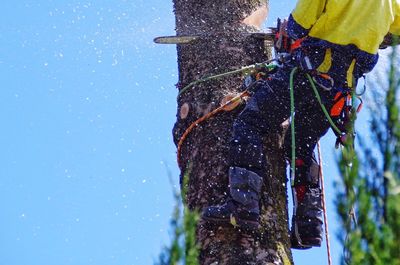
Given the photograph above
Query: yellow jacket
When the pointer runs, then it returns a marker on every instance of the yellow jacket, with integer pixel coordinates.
(363, 23)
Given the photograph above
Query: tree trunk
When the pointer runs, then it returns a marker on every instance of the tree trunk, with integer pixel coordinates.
(222, 48)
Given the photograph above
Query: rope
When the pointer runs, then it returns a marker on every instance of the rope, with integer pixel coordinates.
(292, 128)
(293, 155)
(331, 122)
(293, 141)
(221, 108)
(352, 217)
(321, 173)
(292, 117)
(201, 80)
(248, 69)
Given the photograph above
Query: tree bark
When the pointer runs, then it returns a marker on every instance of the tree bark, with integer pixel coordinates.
(222, 48)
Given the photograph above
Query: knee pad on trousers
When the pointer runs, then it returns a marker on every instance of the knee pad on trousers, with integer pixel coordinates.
(245, 185)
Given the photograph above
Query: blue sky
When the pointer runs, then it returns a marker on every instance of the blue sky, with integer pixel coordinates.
(87, 107)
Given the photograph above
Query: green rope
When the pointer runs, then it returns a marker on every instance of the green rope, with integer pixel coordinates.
(251, 68)
(292, 117)
(201, 80)
(247, 70)
(332, 123)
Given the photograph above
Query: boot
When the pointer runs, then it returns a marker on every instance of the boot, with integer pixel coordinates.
(242, 207)
(307, 219)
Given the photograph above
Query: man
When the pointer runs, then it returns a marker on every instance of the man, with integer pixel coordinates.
(334, 38)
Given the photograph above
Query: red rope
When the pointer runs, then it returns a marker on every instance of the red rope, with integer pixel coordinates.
(321, 173)
(221, 108)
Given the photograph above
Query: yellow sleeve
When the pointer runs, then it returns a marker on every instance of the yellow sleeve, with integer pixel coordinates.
(395, 27)
(307, 12)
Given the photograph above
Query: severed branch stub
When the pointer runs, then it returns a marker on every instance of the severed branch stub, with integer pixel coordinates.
(184, 111)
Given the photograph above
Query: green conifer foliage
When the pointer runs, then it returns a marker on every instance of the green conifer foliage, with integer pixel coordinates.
(368, 200)
(184, 248)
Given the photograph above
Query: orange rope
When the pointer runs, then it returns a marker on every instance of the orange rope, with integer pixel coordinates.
(206, 117)
(321, 173)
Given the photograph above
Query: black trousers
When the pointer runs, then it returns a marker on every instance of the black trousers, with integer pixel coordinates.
(268, 108)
